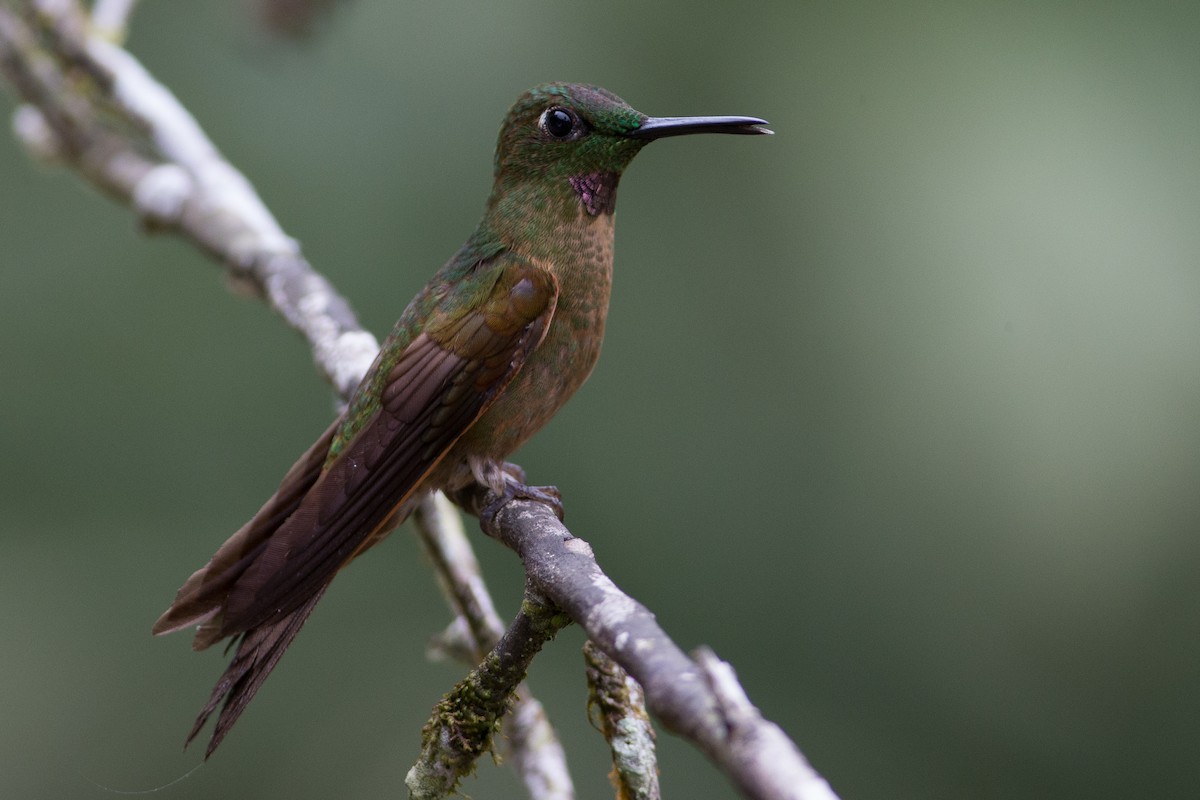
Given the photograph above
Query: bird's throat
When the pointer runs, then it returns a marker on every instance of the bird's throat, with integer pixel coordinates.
(550, 219)
(597, 191)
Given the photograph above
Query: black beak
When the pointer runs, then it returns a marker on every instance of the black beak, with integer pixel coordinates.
(660, 127)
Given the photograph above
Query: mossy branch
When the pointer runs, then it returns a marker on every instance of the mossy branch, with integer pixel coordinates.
(529, 740)
(464, 721)
(618, 704)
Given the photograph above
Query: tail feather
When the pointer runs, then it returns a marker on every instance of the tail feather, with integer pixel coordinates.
(201, 600)
(258, 651)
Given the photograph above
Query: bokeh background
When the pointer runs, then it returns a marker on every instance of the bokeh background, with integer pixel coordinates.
(898, 409)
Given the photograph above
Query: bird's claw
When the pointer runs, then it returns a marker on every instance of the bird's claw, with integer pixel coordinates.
(514, 490)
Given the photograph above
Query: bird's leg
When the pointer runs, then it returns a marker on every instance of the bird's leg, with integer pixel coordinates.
(507, 482)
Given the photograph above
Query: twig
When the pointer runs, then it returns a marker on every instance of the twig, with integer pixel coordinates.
(620, 704)
(110, 18)
(440, 529)
(761, 751)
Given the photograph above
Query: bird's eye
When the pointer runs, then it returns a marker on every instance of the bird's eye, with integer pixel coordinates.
(559, 122)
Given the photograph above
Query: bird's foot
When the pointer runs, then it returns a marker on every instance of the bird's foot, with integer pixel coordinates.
(515, 489)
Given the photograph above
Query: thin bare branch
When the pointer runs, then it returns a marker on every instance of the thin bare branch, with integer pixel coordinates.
(110, 18)
(535, 751)
(760, 748)
(440, 529)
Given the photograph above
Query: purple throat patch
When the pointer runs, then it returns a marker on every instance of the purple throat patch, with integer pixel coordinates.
(597, 191)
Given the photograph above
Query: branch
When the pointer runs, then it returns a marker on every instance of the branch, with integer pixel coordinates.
(110, 18)
(621, 705)
(529, 738)
(698, 699)
(462, 724)
(131, 138)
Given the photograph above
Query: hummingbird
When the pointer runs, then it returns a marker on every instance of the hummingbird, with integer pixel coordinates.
(480, 360)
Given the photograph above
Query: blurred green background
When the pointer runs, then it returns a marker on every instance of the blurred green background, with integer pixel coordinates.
(898, 409)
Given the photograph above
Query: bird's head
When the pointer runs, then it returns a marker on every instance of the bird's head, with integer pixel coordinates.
(569, 131)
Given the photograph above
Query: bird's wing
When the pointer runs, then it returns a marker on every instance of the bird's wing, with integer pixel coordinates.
(429, 395)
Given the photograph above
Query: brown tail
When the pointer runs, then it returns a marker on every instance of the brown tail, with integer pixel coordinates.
(201, 601)
(258, 650)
